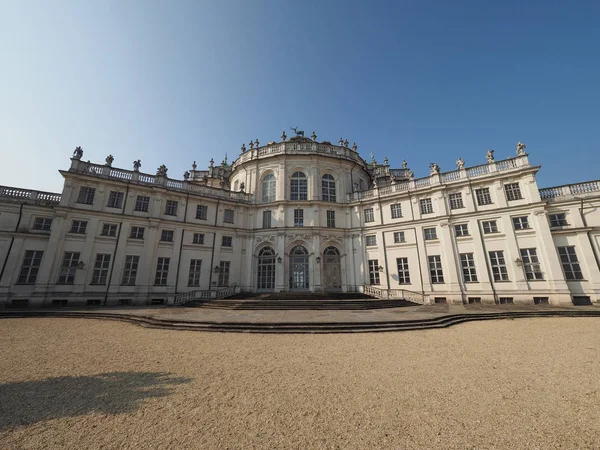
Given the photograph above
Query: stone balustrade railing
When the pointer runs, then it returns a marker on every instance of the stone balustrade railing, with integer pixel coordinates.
(185, 297)
(443, 178)
(7, 192)
(570, 191)
(131, 176)
(400, 294)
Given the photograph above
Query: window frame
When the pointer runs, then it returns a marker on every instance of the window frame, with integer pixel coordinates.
(198, 238)
(88, 197)
(330, 218)
(30, 266)
(436, 270)
(430, 234)
(374, 277)
(130, 269)
(101, 268)
(513, 192)
(137, 229)
(369, 215)
(493, 228)
(298, 186)
(267, 216)
(202, 212)
(328, 188)
(164, 234)
(531, 262)
(171, 207)
(399, 237)
(426, 206)
(370, 240)
(522, 222)
(229, 215)
(461, 230)
(456, 201)
(115, 199)
(298, 217)
(483, 196)
(81, 227)
(570, 263)
(469, 269)
(498, 266)
(161, 275)
(403, 270)
(142, 203)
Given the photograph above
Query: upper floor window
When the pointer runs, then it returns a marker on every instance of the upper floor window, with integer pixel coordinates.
(137, 233)
(78, 226)
(202, 212)
(396, 210)
(269, 188)
(483, 196)
(109, 229)
(558, 220)
(141, 203)
(298, 217)
(198, 238)
(520, 223)
(267, 218)
(31, 266)
(490, 226)
(570, 263)
(167, 235)
(429, 233)
(86, 195)
(461, 230)
(328, 188)
(369, 215)
(399, 237)
(171, 208)
(227, 241)
(531, 264)
(115, 199)
(42, 223)
(228, 216)
(513, 191)
(371, 240)
(330, 219)
(426, 206)
(456, 201)
(298, 187)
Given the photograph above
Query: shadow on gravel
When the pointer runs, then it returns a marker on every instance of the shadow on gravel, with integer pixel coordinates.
(28, 402)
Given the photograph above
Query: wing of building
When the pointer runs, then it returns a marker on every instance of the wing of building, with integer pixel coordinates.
(300, 215)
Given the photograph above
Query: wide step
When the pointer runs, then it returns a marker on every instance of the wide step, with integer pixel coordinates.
(300, 304)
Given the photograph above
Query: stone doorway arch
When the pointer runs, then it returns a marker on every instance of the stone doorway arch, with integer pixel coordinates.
(265, 280)
(332, 270)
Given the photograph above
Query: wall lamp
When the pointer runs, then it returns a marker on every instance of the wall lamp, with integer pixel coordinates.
(279, 259)
(318, 258)
(519, 262)
(217, 269)
(380, 268)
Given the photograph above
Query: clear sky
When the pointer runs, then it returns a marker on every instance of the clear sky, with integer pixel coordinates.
(175, 81)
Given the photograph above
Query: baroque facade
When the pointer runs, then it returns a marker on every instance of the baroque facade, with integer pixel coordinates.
(300, 215)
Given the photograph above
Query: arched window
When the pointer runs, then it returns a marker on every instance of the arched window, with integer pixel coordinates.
(269, 188)
(266, 269)
(299, 187)
(328, 188)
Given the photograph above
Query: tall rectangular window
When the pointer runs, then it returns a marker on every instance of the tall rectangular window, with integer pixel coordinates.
(101, 268)
(162, 271)
(520, 223)
(68, 268)
(468, 267)
(42, 223)
(228, 215)
(267, 219)
(201, 212)
(198, 238)
(429, 233)
(330, 219)
(298, 187)
(369, 215)
(456, 201)
(435, 269)
(171, 208)
(490, 226)
(513, 191)
(78, 226)
(298, 217)
(558, 220)
(328, 188)
(109, 229)
(461, 230)
(399, 237)
(371, 240)
(227, 241)
(426, 206)
(115, 199)
(374, 272)
(141, 203)
(137, 233)
(86, 195)
(167, 235)
(130, 270)
(396, 210)
(498, 264)
(403, 273)
(570, 263)
(531, 264)
(194, 275)
(224, 273)
(483, 196)
(30, 267)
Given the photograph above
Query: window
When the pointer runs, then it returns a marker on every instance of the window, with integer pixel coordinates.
(194, 275)
(520, 223)
(461, 230)
(267, 219)
(228, 216)
(130, 270)
(298, 187)
(42, 223)
(505, 300)
(224, 273)
(60, 302)
(490, 226)
(498, 266)
(201, 212)
(328, 188)
(540, 300)
(171, 208)
(266, 269)
(137, 233)
(396, 210)
(531, 264)
(141, 203)
(399, 237)
(298, 217)
(198, 238)
(456, 201)
(435, 269)
(429, 233)
(403, 274)
(227, 241)
(330, 219)
(369, 215)
(513, 191)
(109, 229)
(374, 271)
(115, 199)
(166, 235)
(30, 267)
(483, 196)
(68, 268)
(269, 188)
(78, 226)
(162, 271)
(101, 268)
(570, 263)
(371, 240)
(426, 206)
(468, 267)
(93, 302)
(125, 302)
(558, 220)
(86, 195)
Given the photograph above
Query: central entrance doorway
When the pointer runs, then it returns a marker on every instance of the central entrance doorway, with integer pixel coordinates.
(299, 269)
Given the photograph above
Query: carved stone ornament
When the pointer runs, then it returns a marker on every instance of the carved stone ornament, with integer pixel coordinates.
(346, 143)
(313, 136)
(162, 171)
(242, 186)
(109, 160)
(354, 146)
(341, 142)
(434, 169)
(460, 163)
(186, 175)
(490, 156)
(385, 161)
(411, 175)
(404, 164)
(194, 165)
(283, 135)
(77, 153)
(136, 165)
(521, 149)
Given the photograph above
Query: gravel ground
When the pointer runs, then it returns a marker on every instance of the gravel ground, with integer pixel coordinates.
(76, 383)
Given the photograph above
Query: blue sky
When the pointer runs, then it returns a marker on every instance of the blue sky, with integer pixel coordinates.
(174, 82)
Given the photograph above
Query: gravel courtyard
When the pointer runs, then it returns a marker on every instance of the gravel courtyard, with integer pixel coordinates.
(77, 383)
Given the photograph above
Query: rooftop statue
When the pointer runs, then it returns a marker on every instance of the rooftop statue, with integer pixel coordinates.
(404, 164)
(521, 148)
(298, 132)
(162, 171)
(490, 156)
(109, 160)
(77, 153)
(434, 169)
(460, 163)
(137, 164)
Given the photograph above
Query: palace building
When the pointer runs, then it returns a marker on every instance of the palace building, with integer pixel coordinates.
(300, 215)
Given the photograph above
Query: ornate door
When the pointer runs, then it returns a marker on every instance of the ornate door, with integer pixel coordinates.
(266, 270)
(299, 269)
(332, 273)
